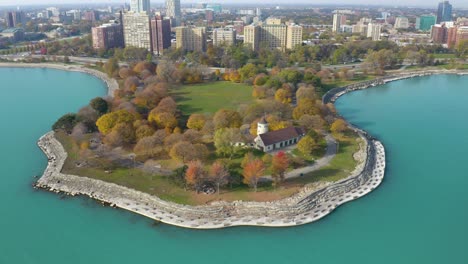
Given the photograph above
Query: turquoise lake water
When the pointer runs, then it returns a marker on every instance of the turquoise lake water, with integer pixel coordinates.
(418, 214)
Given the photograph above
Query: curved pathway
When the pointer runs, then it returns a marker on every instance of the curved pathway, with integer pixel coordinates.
(332, 148)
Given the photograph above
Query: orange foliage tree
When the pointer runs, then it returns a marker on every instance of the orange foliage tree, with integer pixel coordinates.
(279, 165)
(195, 173)
(252, 172)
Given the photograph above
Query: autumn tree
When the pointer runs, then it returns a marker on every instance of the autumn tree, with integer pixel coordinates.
(283, 96)
(338, 126)
(225, 139)
(306, 145)
(195, 174)
(121, 134)
(305, 106)
(107, 122)
(310, 122)
(196, 121)
(111, 66)
(219, 175)
(150, 146)
(279, 165)
(225, 118)
(183, 151)
(163, 120)
(252, 172)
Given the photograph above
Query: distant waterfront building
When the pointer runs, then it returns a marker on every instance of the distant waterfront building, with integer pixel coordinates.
(173, 11)
(273, 21)
(439, 33)
(14, 18)
(338, 21)
(224, 36)
(217, 8)
(444, 12)
(160, 34)
(15, 34)
(209, 16)
(401, 23)
(373, 31)
(424, 23)
(294, 37)
(108, 36)
(140, 6)
(452, 36)
(280, 37)
(136, 28)
(191, 38)
(462, 35)
(91, 15)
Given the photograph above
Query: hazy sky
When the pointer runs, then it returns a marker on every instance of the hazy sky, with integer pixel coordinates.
(455, 3)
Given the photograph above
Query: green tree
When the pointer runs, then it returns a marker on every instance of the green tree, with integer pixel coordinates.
(99, 105)
(66, 122)
(225, 139)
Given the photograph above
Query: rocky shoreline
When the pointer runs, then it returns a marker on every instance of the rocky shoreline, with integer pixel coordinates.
(305, 207)
(111, 84)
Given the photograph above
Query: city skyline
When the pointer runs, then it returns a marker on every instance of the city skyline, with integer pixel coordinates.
(421, 3)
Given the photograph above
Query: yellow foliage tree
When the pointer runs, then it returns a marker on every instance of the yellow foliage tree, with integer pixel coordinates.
(108, 121)
(338, 126)
(283, 96)
(196, 121)
(163, 120)
(306, 145)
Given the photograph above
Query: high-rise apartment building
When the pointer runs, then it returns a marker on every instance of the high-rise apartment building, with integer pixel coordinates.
(462, 35)
(272, 36)
(9, 20)
(136, 28)
(424, 23)
(273, 21)
(401, 23)
(444, 12)
(439, 33)
(338, 20)
(191, 38)
(224, 36)
(373, 31)
(173, 11)
(91, 15)
(160, 34)
(108, 36)
(294, 37)
(140, 6)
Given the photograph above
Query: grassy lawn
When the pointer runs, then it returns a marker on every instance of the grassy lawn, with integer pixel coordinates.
(443, 56)
(210, 97)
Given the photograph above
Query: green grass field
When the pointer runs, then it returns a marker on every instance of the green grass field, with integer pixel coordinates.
(210, 97)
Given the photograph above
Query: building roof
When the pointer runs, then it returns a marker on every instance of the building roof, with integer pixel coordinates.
(12, 30)
(263, 121)
(281, 135)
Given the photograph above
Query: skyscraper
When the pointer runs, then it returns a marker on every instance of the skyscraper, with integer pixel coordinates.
(140, 6)
(136, 29)
(173, 11)
(338, 20)
(444, 12)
